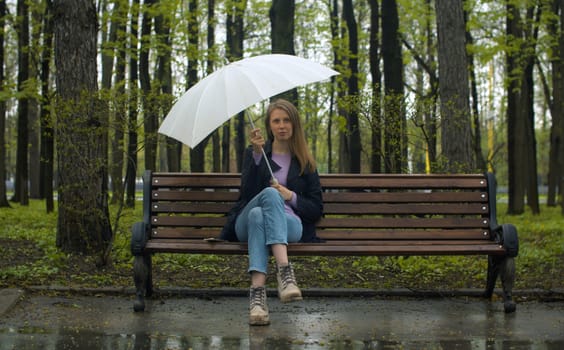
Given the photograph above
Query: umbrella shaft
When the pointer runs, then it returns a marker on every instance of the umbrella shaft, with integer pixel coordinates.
(267, 163)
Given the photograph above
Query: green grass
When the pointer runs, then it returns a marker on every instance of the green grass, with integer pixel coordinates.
(37, 260)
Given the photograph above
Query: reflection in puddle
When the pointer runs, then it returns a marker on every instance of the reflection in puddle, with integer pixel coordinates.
(68, 338)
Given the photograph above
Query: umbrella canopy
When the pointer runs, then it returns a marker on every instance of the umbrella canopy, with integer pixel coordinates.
(232, 89)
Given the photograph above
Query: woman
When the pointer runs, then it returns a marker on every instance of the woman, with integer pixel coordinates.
(270, 212)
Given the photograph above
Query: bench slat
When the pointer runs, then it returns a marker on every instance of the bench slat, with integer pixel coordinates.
(167, 194)
(191, 207)
(199, 195)
(346, 222)
(403, 222)
(337, 209)
(357, 236)
(201, 247)
(404, 197)
(386, 234)
(350, 181)
(194, 221)
(367, 250)
(196, 180)
(402, 181)
(406, 208)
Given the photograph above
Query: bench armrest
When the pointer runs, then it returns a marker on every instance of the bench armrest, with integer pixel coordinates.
(509, 239)
(506, 235)
(492, 193)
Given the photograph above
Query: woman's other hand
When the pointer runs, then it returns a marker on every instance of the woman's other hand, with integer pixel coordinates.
(284, 192)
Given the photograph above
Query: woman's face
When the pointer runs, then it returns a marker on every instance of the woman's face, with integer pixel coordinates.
(280, 125)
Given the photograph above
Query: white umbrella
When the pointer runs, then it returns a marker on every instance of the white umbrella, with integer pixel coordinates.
(232, 89)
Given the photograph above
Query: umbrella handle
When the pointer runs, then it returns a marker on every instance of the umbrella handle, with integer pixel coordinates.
(274, 180)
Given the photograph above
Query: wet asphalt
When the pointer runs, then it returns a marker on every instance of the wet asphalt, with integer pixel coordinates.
(219, 321)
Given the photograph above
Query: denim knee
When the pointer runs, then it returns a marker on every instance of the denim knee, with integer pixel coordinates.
(255, 217)
(272, 194)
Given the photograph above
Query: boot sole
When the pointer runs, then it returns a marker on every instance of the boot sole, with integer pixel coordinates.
(259, 321)
(290, 298)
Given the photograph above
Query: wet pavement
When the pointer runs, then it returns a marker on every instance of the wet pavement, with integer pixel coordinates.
(107, 321)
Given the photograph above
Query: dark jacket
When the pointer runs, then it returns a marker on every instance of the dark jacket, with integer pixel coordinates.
(254, 178)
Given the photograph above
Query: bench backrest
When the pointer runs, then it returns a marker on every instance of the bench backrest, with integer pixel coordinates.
(361, 207)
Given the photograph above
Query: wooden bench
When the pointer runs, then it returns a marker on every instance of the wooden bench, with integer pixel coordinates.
(364, 215)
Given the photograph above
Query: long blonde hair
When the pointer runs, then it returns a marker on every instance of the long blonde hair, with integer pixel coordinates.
(297, 143)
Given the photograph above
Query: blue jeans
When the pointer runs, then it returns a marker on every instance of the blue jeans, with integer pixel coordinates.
(264, 222)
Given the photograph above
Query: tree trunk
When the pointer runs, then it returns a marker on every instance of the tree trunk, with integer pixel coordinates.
(528, 100)
(119, 120)
(456, 141)
(212, 57)
(522, 153)
(83, 221)
(225, 147)
(108, 36)
(150, 120)
(334, 14)
(282, 35)
(477, 142)
(516, 180)
(353, 128)
(21, 190)
(3, 196)
(197, 154)
(375, 110)
(430, 115)
(560, 105)
(108, 29)
(46, 122)
(394, 116)
(131, 171)
(556, 104)
(235, 36)
(529, 141)
(341, 56)
(34, 128)
(164, 78)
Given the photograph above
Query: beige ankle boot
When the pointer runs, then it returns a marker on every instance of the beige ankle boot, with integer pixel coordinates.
(258, 310)
(287, 287)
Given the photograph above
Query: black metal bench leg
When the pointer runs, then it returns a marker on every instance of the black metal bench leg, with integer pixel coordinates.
(507, 275)
(142, 278)
(149, 263)
(493, 272)
(504, 267)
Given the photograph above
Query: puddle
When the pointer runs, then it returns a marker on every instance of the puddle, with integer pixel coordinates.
(68, 338)
(108, 323)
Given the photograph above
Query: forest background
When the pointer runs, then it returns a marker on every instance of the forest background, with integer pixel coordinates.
(425, 86)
